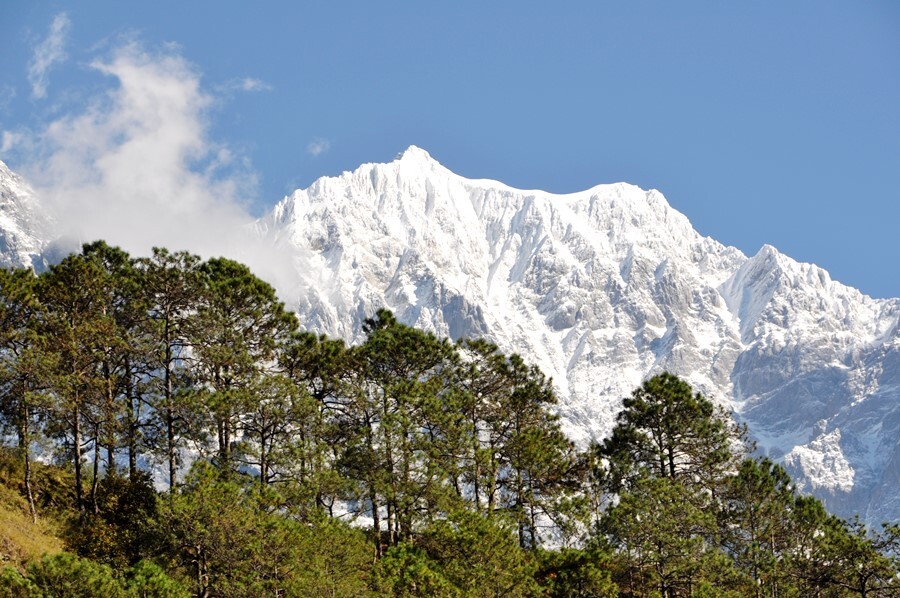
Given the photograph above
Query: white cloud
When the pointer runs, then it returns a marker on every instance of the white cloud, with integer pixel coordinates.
(246, 84)
(251, 84)
(137, 168)
(9, 140)
(48, 53)
(317, 147)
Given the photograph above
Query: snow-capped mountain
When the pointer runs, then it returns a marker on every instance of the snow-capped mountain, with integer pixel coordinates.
(601, 289)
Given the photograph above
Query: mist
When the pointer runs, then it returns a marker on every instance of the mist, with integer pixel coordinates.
(136, 167)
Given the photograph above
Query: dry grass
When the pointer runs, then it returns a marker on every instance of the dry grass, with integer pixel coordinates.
(21, 540)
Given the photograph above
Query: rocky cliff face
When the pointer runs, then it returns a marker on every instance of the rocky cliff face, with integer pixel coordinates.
(25, 228)
(601, 289)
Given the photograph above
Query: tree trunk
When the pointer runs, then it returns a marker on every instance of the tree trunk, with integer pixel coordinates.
(376, 522)
(202, 574)
(94, 504)
(133, 424)
(76, 433)
(169, 406)
(263, 460)
(111, 414)
(170, 445)
(24, 442)
(170, 413)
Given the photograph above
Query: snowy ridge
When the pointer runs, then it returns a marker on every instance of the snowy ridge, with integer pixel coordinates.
(25, 228)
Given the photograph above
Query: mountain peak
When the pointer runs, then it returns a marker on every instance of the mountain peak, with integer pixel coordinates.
(415, 154)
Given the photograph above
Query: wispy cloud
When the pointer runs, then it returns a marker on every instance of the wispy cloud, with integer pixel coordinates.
(48, 53)
(245, 84)
(251, 84)
(9, 140)
(317, 147)
(137, 167)
(7, 95)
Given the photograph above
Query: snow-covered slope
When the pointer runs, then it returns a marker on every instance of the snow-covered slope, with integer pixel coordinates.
(602, 288)
(25, 229)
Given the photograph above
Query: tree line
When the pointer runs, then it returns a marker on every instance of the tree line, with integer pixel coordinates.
(447, 458)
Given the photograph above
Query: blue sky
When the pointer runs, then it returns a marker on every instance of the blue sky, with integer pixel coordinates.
(763, 122)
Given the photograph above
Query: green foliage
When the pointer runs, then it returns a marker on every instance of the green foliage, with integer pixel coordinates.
(15, 585)
(577, 573)
(219, 535)
(122, 531)
(398, 375)
(665, 430)
(68, 576)
(757, 521)
(229, 540)
(238, 326)
(148, 580)
(479, 555)
(330, 559)
(517, 460)
(466, 555)
(406, 571)
(662, 537)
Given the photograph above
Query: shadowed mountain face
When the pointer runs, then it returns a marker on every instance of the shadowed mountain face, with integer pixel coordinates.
(603, 288)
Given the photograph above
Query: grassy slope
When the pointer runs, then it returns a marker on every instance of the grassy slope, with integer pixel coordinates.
(21, 540)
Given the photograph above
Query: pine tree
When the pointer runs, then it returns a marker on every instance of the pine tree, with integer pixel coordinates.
(520, 461)
(240, 322)
(756, 522)
(663, 538)
(77, 329)
(398, 370)
(125, 355)
(320, 369)
(23, 367)
(170, 284)
(665, 430)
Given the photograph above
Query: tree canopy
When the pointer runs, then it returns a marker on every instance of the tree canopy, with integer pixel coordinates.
(207, 446)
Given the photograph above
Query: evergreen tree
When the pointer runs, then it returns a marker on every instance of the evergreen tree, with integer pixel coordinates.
(322, 422)
(869, 561)
(240, 322)
(398, 372)
(479, 555)
(577, 573)
(77, 329)
(521, 463)
(234, 541)
(756, 523)
(170, 284)
(125, 356)
(665, 430)
(662, 537)
(24, 368)
(830, 555)
(68, 575)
